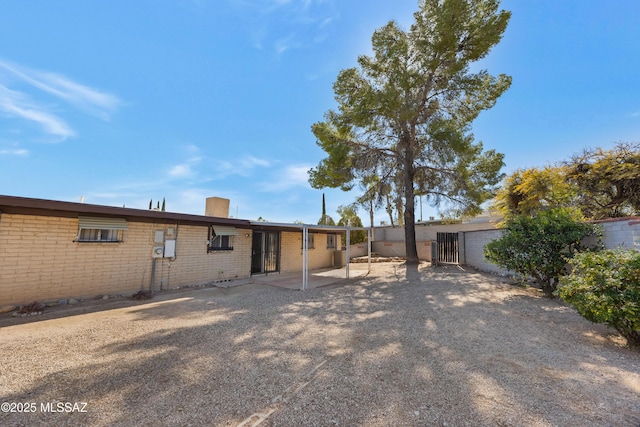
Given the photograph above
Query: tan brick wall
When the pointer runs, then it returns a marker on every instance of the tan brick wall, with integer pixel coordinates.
(193, 265)
(39, 260)
(291, 252)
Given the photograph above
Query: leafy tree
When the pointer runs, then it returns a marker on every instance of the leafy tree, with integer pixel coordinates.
(163, 205)
(605, 288)
(527, 191)
(539, 246)
(349, 217)
(404, 114)
(608, 181)
(325, 219)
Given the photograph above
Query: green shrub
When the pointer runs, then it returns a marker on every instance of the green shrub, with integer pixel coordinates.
(605, 288)
(539, 246)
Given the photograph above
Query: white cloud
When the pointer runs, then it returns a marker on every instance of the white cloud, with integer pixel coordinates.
(14, 152)
(17, 104)
(298, 175)
(186, 185)
(180, 170)
(243, 166)
(326, 22)
(192, 148)
(32, 107)
(289, 177)
(272, 20)
(186, 168)
(89, 100)
(284, 44)
(251, 162)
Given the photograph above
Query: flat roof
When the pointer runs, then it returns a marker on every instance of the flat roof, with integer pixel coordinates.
(31, 206)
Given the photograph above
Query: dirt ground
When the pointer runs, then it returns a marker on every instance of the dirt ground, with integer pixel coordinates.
(417, 347)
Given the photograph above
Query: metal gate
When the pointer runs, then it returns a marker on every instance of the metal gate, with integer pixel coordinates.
(265, 256)
(447, 248)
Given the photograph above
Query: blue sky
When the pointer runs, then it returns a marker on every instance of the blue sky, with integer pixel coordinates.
(124, 101)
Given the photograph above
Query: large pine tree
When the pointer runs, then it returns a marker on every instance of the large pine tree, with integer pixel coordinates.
(404, 113)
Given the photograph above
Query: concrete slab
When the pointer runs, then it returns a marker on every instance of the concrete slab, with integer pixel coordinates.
(317, 278)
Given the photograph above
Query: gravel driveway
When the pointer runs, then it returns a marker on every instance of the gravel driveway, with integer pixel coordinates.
(427, 347)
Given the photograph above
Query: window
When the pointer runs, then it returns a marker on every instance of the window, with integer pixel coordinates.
(221, 243)
(221, 238)
(96, 229)
(331, 241)
(99, 235)
(311, 240)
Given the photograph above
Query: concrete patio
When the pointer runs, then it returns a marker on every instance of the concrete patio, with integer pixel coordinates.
(317, 278)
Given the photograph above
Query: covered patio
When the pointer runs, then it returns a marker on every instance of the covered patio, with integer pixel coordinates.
(307, 279)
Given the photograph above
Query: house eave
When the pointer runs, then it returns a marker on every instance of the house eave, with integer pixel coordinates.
(31, 206)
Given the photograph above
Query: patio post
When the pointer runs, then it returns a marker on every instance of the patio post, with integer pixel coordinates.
(369, 250)
(305, 257)
(348, 244)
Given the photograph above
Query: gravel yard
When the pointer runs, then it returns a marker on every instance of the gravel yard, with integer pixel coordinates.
(424, 347)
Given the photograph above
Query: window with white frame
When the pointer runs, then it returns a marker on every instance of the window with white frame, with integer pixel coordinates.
(96, 229)
(221, 238)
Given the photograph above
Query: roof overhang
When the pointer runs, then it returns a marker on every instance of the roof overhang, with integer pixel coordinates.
(29, 206)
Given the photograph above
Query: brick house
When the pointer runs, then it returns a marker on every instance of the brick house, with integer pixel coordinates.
(51, 250)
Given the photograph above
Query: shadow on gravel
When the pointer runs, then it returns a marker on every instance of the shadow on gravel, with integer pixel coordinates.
(409, 346)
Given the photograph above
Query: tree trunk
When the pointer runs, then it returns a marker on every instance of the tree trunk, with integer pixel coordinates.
(409, 208)
(410, 226)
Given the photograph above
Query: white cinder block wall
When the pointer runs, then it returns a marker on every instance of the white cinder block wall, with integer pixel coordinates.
(623, 233)
(474, 243)
(616, 233)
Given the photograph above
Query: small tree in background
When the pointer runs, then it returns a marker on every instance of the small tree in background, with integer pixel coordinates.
(608, 181)
(528, 191)
(601, 183)
(349, 216)
(539, 246)
(605, 288)
(325, 219)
